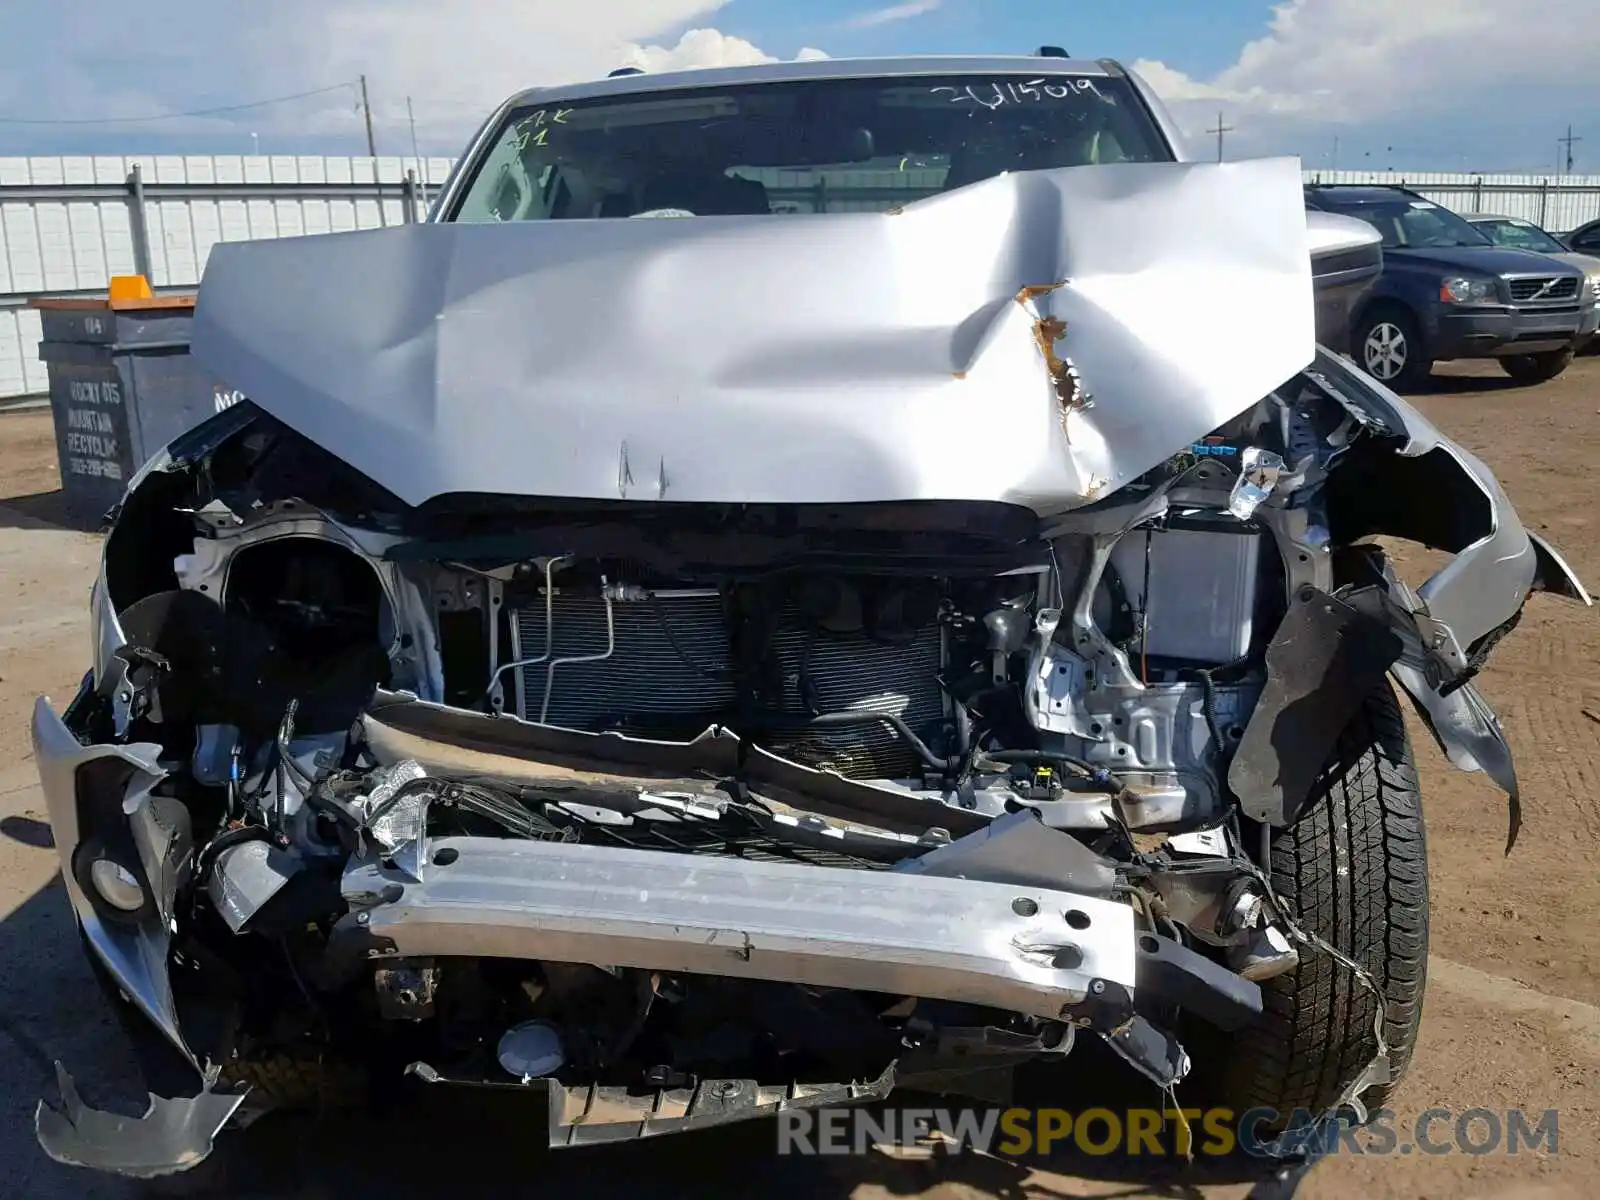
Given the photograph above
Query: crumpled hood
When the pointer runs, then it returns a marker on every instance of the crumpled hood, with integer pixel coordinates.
(925, 353)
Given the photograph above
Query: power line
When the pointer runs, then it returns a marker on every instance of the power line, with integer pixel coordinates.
(199, 112)
(1567, 142)
(1220, 130)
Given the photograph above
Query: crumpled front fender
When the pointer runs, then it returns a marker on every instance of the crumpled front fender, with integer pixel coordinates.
(103, 804)
(1554, 575)
(133, 948)
(1413, 482)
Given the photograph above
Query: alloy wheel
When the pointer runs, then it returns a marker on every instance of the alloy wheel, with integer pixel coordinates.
(1385, 352)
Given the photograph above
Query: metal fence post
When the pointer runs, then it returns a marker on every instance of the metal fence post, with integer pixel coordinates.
(138, 226)
(1477, 194)
(1544, 201)
(377, 190)
(408, 200)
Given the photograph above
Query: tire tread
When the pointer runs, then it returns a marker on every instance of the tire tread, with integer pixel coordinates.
(1354, 871)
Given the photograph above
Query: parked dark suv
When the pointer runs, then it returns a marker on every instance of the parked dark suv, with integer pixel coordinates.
(1447, 291)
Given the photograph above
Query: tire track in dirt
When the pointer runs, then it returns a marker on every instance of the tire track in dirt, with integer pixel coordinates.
(1579, 1020)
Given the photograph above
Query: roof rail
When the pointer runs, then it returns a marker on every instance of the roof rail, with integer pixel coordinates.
(626, 71)
(1382, 187)
(1051, 52)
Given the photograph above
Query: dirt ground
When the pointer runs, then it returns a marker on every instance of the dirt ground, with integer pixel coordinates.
(1513, 1010)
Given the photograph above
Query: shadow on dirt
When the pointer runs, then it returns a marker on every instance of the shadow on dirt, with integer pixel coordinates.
(423, 1141)
(1469, 385)
(51, 1008)
(48, 510)
(462, 1144)
(29, 831)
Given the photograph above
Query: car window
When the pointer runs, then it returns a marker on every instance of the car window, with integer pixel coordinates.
(1522, 235)
(1412, 224)
(831, 145)
(1587, 239)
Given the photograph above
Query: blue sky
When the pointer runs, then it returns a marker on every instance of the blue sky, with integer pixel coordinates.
(1429, 85)
(1203, 37)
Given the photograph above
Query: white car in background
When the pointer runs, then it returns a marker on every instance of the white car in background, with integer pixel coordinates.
(1525, 235)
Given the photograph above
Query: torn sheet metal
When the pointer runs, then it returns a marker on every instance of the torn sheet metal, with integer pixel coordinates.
(135, 955)
(848, 357)
(1485, 584)
(174, 1134)
(1326, 658)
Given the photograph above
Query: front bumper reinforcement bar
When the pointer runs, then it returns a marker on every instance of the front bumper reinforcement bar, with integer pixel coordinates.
(1026, 949)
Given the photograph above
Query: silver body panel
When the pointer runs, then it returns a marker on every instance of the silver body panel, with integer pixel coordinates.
(878, 931)
(1587, 263)
(1486, 583)
(837, 358)
(916, 355)
(1333, 233)
(134, 955)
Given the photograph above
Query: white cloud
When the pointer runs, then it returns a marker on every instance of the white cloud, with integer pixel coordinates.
(460, 60)
(456, 59)
(1389, 64)
(708, 48)
(895, 12)
(698, 48)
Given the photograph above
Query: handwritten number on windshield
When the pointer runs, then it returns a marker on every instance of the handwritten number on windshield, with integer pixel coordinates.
(534, 129)
(997, 94)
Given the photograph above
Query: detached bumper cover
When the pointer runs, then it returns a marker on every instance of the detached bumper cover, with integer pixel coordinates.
(133, 950)
(173, 1135)
(149, 837)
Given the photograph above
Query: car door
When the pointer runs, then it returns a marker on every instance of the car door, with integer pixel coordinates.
(1586, 238)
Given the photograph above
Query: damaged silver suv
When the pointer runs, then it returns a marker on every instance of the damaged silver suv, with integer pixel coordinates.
(909, 605)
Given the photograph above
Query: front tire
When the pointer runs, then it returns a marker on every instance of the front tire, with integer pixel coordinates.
(1354, 871)
(1387, 344)
(1536, 368)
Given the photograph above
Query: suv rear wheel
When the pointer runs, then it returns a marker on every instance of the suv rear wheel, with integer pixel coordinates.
(1388, 346)
(1536, 368)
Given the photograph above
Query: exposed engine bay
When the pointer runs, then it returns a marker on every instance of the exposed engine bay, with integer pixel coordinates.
(795, 685)
(689, 814)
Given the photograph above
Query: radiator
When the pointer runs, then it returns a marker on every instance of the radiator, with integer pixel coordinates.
(666, 666)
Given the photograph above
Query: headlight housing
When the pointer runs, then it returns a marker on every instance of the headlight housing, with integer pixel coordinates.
(1594, 288)
(1461, 290)
(117, 885)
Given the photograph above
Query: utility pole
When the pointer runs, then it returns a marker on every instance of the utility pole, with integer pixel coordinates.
(372, 152)
(1334, 165)
(1219, 131)
(366, 107)
(1568, 142)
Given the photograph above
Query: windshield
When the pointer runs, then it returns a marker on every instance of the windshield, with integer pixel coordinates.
(830, 145)
(1524, 235)
(1414, 224)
